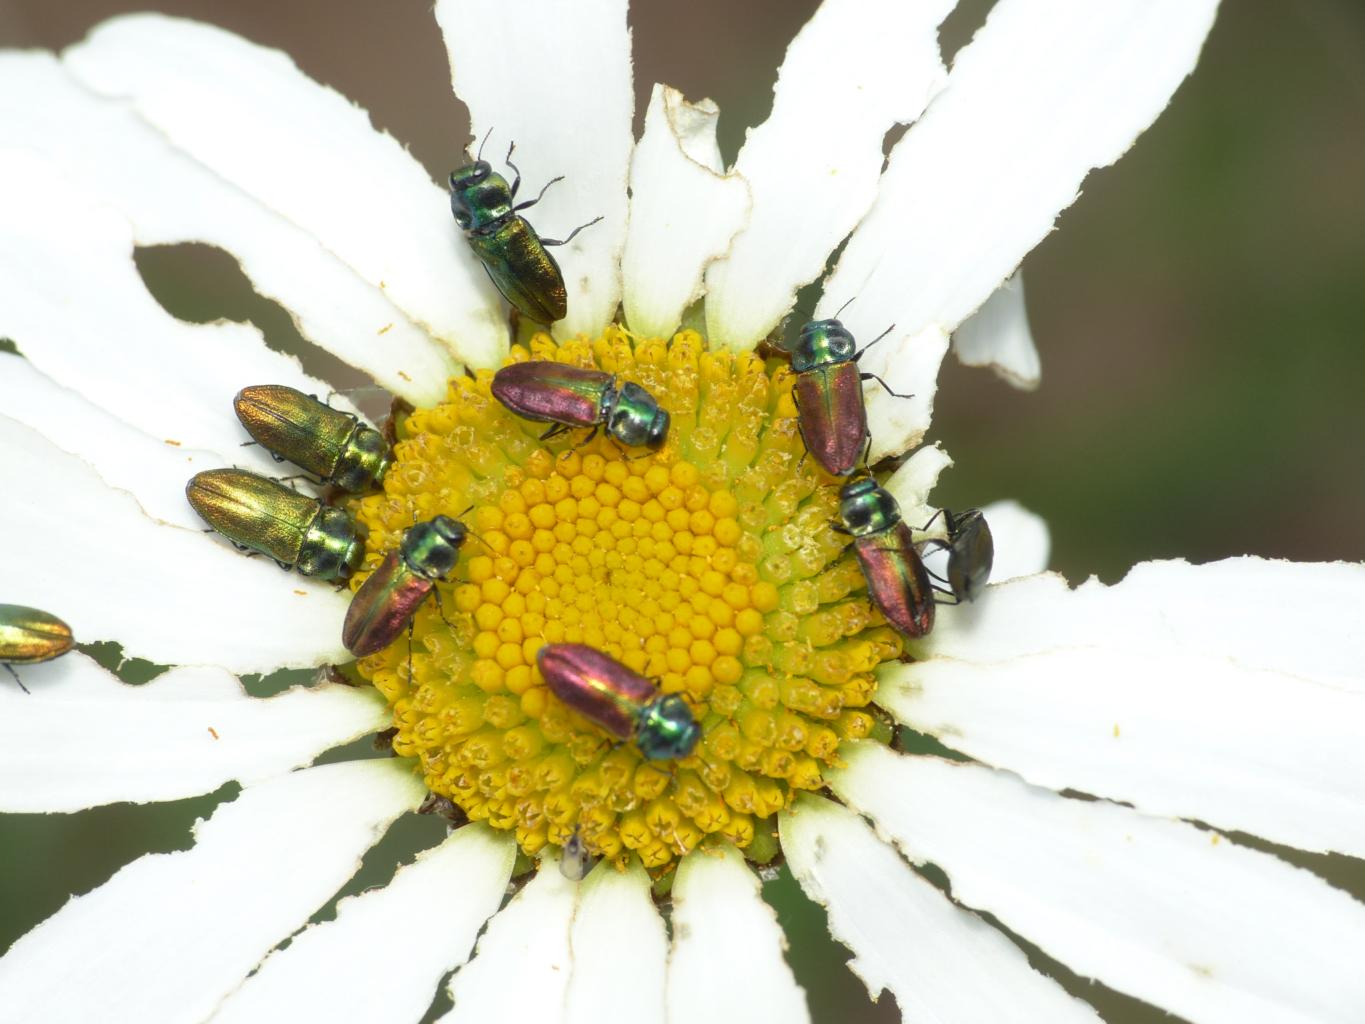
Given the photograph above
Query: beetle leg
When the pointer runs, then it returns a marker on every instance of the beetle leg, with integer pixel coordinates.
(930, 523)
(566, 241)
(840, 528)
(587, 440)
(554, 430)
(440, 608)
(532, 202)
(516, 182)
(10, 669)
(284, 565)
(884, 384)
(941, 596)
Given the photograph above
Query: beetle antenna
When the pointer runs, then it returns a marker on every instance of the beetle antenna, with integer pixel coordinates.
(479, 154)
(843, 307)
(864, 349)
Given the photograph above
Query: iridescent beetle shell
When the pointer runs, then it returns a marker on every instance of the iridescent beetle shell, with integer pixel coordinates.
(259, 514)
(574, 396)
(517, 262)
(829, 396)
(384, 605)
(620, 700)
(971, 553)
(332, 445)
(897, 582)
(31, 635)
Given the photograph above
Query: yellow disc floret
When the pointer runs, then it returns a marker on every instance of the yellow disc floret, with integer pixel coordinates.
(709, 566)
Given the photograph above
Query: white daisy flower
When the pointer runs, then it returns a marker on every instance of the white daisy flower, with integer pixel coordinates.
(1085, 731)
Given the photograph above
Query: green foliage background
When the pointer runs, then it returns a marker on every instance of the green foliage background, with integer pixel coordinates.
(1200, 315)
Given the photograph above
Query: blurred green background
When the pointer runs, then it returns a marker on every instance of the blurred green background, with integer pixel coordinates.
(1200, 315)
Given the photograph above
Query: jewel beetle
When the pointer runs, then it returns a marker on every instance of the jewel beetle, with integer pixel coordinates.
(897, 581)
(259, 514)
(575, 396)
(829, 394)
(335, 446)
(971, 551)
(514, 256)
(29, 636)
(385, 604)
(620, 700)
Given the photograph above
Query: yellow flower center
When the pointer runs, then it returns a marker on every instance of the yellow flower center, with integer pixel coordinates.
(709, 566)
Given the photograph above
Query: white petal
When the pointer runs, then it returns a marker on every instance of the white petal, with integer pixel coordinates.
(184, 733)
(170, 934)
(1022, 541)
(855, 70)
(170, 197)
(307, 153)
(1299, 619)
(152, 471)
(683, 211)
(910, 368)
(1201, 927)
(434, 906)
(997, 335)
(173, 596)
(1182, 735)
(1041, 95)
(72, 300)
(727, 947)
(568, 108)
(941, 963)
(524, 953)
(619, 950)
(911, 483)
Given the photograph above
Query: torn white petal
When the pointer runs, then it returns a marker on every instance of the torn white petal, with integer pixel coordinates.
(1178, 735)
(89, 555)
(151, 470)
(524, 951)
(619, 950)
(434, 906)
(911, 483)
(856, 69)
(997, 336)
(940, 962)
(1295, 618)
(1042, 94)
(184, 733)
(569, 113)
(909, 365)
(169, 197)
(1175, 916)
(73, 302)
(304, 151)
(683, 212)
(171, 934)
(727, 946)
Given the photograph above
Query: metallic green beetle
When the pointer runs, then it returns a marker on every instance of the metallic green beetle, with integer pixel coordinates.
(29, 636)
(258, 514)
(897, 582)
(829, 394)
(334, 446)
(511, 251)
(386, 602)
